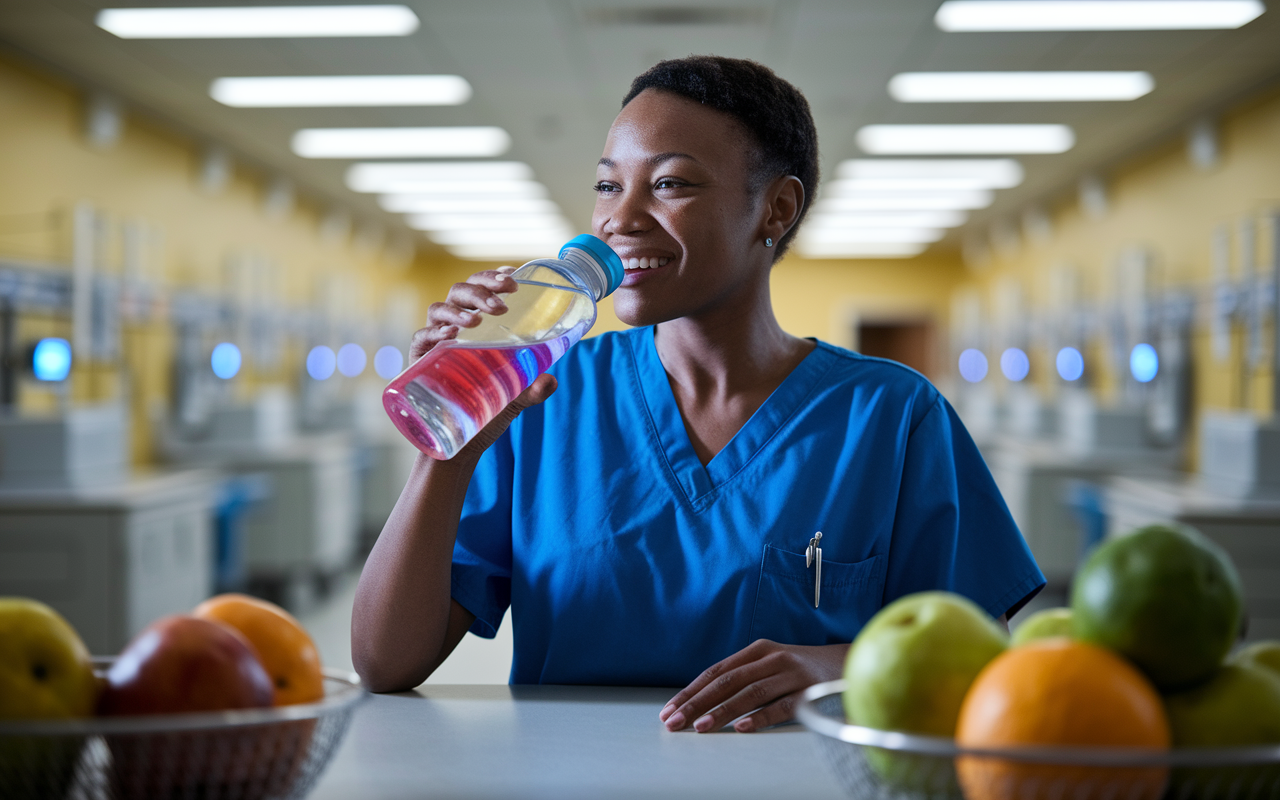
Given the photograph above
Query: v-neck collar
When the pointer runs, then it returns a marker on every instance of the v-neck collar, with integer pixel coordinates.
(669, 431)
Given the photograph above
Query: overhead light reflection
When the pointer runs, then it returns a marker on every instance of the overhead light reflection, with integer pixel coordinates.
(400, 142)
(964, 139)
(258, 22)
(319, 91)
(384, 177)
(1003, 87)
(1095, 15)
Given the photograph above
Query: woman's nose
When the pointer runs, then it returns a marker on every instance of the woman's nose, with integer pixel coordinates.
(628, 214)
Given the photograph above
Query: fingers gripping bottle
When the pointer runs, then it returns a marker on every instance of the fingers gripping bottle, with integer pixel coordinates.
(444, 398)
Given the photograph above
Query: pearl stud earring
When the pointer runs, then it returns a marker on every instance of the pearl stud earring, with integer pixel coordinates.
(768, 242)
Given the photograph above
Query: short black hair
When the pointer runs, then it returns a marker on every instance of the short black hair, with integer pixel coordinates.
(774, 113)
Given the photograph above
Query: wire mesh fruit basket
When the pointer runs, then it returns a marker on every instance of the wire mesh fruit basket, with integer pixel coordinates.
(886, 765)
(252, 754)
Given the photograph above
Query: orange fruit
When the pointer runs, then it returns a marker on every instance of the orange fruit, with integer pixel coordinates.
(283, 645)
(1059, 692)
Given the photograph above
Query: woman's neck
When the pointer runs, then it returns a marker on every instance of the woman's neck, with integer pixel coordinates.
(724, 363)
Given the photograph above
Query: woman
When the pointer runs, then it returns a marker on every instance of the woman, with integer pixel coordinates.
(648, 523)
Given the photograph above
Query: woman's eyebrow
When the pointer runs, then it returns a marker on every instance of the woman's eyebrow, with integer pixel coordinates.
(651, 161)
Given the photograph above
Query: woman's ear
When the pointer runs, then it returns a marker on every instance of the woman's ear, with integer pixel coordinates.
(784, 198)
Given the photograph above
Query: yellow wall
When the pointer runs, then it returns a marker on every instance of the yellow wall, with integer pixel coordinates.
(1162, 202)
(150, 178)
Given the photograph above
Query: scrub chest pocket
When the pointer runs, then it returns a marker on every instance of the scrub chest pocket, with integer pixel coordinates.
(784, 611)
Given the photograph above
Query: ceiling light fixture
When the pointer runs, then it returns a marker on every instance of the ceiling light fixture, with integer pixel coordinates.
(475, 190)
(488, 222)
(844, 188)
(383, 177)
(904, 201)
(465, 204)
(502, 252)
(1095, 15)
(400, 142)
(913, 219)
(964, 139)
(342, 91)
(862, 235)
(1022, 87)
(258, 22)
(860, 250)
(993, 173)
(549, 239)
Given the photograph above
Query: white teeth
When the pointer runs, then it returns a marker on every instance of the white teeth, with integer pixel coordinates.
(646, 263)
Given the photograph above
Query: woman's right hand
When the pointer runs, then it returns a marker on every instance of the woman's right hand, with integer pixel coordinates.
(481, 293)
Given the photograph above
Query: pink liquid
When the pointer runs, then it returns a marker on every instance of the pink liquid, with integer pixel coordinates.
(444, 398)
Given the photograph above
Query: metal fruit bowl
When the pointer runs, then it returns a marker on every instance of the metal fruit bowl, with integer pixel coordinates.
(251, 754)
(886, 765)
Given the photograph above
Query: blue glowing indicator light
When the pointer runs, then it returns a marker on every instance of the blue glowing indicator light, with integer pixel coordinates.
(1014, 364)
(388, 362)
(351, 359)
(321, 362)
(51, 360)
(1144, 363)
(1070, 364)
(225, 360)
(973, 365)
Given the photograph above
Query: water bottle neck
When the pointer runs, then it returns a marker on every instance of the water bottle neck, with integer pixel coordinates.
(578, 267)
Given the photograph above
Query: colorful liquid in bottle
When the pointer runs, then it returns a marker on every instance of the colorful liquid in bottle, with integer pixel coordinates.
(441, 401)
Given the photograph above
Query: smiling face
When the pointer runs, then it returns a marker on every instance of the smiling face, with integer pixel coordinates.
(674, 198)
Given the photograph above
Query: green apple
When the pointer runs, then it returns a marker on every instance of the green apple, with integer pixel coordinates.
(1238, 707)
(1044, 624)
(909, 670)
(1260, 654)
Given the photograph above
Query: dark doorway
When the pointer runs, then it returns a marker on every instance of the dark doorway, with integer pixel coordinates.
(908, 342)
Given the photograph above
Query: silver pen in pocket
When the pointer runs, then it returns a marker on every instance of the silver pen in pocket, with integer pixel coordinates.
(812, 556)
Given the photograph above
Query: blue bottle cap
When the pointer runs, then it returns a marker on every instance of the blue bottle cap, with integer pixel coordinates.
(604, 256)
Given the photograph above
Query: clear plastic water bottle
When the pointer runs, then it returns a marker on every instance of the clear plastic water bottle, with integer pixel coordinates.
(444, 398)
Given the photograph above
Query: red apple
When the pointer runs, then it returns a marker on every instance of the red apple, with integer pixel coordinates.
(182, 664)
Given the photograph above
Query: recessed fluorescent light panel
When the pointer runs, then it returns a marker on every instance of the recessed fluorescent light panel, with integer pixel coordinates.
(979, 173)
(833, 201)
(341, 91)
(1019, 87)
(964, 139)
(465, 204)
(260, 22)
(1095, 15)
(552, 239)
(859, 250)
(400, 142)
(513, 251)
(392, 176)
(885, 219)
(481, 210)
(828, 235)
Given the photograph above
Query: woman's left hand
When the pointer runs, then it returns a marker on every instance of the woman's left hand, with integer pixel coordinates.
(764, 677)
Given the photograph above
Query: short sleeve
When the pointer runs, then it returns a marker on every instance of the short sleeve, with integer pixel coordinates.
(481, 579)
(952, 529)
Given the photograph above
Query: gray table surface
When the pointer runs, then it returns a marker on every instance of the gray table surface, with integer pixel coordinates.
(560, 742)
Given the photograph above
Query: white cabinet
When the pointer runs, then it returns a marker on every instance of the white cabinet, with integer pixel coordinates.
(111, 559)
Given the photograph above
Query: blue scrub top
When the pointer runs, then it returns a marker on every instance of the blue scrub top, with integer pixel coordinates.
(625, 561)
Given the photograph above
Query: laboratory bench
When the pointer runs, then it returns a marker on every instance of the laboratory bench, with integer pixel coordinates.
(450, 741)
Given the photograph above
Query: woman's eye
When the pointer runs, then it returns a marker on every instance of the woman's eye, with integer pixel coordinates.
(604, 187)
(668, 183)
